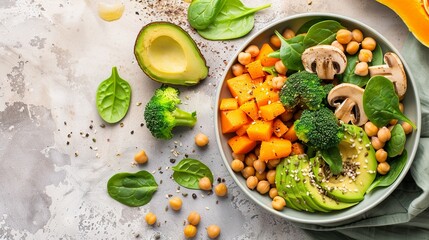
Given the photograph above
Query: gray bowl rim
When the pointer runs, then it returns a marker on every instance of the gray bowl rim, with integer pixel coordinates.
(249, 193)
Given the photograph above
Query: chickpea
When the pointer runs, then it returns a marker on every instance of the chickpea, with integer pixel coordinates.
(357, 35)
(365, 55)
(381, 155)
(248, 172)
(338, 45)
(280, 67)
(204, 183)
(221, 190)
(393, 122)
(376, 143)
(286, 116)
(275, 41)
(263, 187)
(175, 203)
(250, 158)
(273, 163)
(370, 129)
(401, 107)
(384, 134)
(271, 176)
(253, 50)
(259, 166)
(369, 43)
(407, 127)
(257, 150)
(238, 156)
(190, 231)
(237, 69)
(288, 33)
(352, 47)
(273, 193)
(194, 218)
(201, 140)
(261, 176)
(244, 58)
(278, 82)
(252, 182)
(361, 69)
(150, 218)
(213, 231)
(237, 165)
(383, 168)
(141, 157)
(344, 36)
(278, 203)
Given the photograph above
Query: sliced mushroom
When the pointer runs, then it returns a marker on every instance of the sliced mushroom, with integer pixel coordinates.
(347, 99)
(394, 71)
(325, 60)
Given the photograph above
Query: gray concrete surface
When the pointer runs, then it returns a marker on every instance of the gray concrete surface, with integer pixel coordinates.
(53, 55)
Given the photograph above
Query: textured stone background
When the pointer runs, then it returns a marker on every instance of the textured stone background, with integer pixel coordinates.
(53, 55)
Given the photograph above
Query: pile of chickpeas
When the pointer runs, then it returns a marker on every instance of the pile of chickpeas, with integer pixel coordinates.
(379, 137)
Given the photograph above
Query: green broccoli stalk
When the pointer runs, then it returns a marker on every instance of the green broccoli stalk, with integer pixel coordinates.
(319, 129)
(162, 115)
(303, 89)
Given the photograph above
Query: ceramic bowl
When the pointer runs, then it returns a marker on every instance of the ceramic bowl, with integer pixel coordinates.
(412, 110)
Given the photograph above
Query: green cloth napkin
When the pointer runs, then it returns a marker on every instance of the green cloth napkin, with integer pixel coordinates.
(405, 212)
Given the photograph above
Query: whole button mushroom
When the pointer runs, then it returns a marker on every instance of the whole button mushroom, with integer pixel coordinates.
(347, 99)
(324, 60)
(392, 70)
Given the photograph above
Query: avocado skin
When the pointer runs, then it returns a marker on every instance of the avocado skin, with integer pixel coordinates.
(191, 75)
(356, 149)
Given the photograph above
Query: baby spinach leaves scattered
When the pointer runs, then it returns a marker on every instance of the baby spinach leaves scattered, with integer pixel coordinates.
(234, 19)
(291, 51)
(397, 164)
(132, 189)
(323, 32)
(113, 98)
(396, 144)
(201, 13)
(333, 158)
(380, 102)
(188, 172)
(307, 25)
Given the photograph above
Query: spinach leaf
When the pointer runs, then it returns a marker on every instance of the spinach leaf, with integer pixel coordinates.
(270, 70)
(396, 144)
(275, 54)
(307, 25)
(322, 33)
(333, 158)
(201, 13)
(189, 171)
(113, 98)
(349, 75)
(380, 102)
(132, 189)
(397, 164)
(291, 51)
(233, 21)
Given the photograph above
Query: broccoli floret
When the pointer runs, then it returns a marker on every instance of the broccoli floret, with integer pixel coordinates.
(319, 128)
(162, 115)
(303, 89)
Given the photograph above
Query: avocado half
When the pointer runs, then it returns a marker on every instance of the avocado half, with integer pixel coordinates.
(167, 54)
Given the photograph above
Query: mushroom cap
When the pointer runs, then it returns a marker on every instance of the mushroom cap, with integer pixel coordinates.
(392, 70)
(325, 60)
(351, 107)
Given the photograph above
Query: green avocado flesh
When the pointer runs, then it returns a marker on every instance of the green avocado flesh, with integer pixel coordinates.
(167, 54)
(307, 184)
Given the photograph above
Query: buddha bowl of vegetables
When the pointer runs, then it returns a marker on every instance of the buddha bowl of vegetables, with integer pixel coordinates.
(317, 118)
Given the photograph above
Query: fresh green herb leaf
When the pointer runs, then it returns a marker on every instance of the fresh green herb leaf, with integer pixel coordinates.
(333, 158)
(377, 56)
(132, 189)
(291, 51)
(188, 172)
(270, 70)
(307, 25)
(396, 144)
(233, 21)
(380, 102)
(113, 98)
(322, 33)
(397, 164)
(201, 13)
